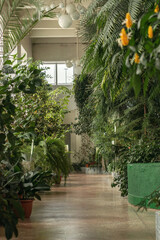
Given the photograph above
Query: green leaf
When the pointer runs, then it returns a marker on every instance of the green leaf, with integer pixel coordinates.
(145, 85)
(18, 208)
(149, 46)
(136, 84)
(37, 196)
(8, 62)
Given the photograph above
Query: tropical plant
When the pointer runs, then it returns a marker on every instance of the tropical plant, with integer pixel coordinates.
(9, 176)
(121, 116)
(86, 152)
(45, 109)
(101, 58)
(16, 78)
(17, 20)
(33, 182)
(51, 109)
(55, 157)
(82, 92)
(153, 198)
(141, 52)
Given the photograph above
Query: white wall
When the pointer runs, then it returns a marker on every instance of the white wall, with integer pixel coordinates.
(57, 51)
(26, 47)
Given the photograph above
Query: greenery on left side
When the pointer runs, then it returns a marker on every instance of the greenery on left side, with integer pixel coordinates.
(31, 112)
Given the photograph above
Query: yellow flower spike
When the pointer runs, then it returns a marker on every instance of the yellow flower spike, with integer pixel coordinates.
(136, 58)
(156, 10)
(150, 32)
(124, 37)
(129, 22)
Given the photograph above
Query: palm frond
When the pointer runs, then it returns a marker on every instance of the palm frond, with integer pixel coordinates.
(17, 18)
(135, 7)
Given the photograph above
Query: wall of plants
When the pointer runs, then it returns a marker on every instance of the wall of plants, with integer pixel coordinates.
(123, 104)
(32, 149)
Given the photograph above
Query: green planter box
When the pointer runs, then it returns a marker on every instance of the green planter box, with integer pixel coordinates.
(143, 179)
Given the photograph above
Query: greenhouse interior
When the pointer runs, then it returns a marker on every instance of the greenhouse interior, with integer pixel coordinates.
(80, 119)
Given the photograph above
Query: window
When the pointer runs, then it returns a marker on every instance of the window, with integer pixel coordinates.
(51, 72)
(58, 73)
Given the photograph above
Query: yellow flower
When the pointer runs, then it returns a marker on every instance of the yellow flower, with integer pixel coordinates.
(136, 58)
(124, 37)
(150, 32)
(156, 10)
(128, 21)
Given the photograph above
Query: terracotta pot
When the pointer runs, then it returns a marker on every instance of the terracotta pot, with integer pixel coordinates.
(87, 165)
(27, 206)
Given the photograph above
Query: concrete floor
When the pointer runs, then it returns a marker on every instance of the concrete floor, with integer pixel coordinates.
(86, 209)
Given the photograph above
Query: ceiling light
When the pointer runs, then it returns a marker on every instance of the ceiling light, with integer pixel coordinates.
(78, 70)
(70, 8)
(69, 64)
(75, 15)
(65, 21)
(78, 67)
(82, 9)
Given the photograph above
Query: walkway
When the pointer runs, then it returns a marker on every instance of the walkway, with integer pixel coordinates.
(86, 209)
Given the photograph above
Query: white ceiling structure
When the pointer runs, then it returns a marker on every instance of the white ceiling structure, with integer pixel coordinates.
(49, 28)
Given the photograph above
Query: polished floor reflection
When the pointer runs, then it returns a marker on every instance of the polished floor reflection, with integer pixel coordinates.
(86, 209)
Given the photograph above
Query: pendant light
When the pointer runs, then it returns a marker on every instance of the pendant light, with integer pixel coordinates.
(65, 21)
(70, 8)
(78, 67)
(75, 15)
(69, 64)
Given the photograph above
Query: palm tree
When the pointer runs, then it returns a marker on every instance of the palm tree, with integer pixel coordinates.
(103, 60)
(17, 18)
(100, 27)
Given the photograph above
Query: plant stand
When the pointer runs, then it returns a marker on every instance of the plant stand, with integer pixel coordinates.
(143, 179)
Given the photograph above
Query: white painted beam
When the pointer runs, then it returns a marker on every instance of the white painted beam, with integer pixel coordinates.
(52, 24)
(50, 33)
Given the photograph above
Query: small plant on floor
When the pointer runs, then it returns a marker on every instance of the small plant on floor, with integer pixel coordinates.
(32, 182)
(153, 198)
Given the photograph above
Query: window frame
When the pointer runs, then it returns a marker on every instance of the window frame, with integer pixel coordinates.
(56, 73)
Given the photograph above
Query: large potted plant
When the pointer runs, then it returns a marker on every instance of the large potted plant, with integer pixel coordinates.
(8, 199)
(138, 170)
(30, 184)
(55, 158)
(143, 171)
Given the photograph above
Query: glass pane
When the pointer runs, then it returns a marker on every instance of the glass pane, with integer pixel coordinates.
(51, 72)
(64, 74)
